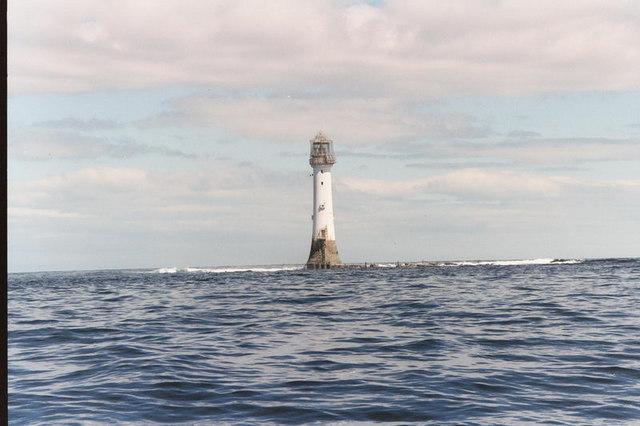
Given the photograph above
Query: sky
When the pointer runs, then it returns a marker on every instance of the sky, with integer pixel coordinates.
(165, 133)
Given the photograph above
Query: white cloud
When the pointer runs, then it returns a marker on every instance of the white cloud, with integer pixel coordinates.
(227, 196)
(473, 184)
(472, 214)
(21, 212)
(419, 48)
(125, 217)
(116, 217)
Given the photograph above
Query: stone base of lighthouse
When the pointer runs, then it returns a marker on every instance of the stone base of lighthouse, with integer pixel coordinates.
(324, 255)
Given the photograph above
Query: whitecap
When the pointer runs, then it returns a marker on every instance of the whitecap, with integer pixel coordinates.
(218, 270)
(543, 261)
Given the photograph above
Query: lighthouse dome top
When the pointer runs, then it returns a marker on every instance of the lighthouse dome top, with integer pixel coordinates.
(321, 151)
(321, 138)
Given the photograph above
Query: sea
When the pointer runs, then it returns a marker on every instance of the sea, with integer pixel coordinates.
(541, 341)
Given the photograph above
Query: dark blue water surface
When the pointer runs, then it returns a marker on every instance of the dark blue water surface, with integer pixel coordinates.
(522, 343)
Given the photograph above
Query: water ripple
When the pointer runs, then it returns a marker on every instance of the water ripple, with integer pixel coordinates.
(552, 343)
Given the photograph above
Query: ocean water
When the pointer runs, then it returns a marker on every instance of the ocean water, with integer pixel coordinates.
(524, 342)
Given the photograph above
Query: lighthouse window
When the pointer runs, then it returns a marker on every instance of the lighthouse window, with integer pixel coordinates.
(321, 183)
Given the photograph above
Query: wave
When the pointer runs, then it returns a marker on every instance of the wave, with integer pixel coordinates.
(219, 270)
(546, 261)
(520, 262)
(276, 268)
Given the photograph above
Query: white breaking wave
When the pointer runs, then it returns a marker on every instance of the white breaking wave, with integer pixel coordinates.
(515, 262)
(485, 263)
(175, 270)
(217, 270)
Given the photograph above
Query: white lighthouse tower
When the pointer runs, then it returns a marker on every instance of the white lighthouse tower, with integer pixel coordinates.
(324, 251)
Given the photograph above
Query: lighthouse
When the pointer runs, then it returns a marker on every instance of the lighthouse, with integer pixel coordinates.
(324, 251)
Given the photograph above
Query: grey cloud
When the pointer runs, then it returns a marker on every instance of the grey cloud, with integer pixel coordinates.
(77, 124)
(565, 151)
(38, 145)
(634, 128)
(562, 169)
(450, 165)
(284, 118)
(520, 134)
(136, 149)
(568, 154)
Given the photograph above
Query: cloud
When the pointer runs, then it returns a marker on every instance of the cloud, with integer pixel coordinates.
(39, 144)
(373, 76)
(525, 151)
(439, 165)
(104, 217)
(523, 134)
(401, 47)
(356, 121)
(465, 183)
(77, 124)
(150, 198)
(475, 214)
(47, 213)
(474, 184)
(561, 154)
